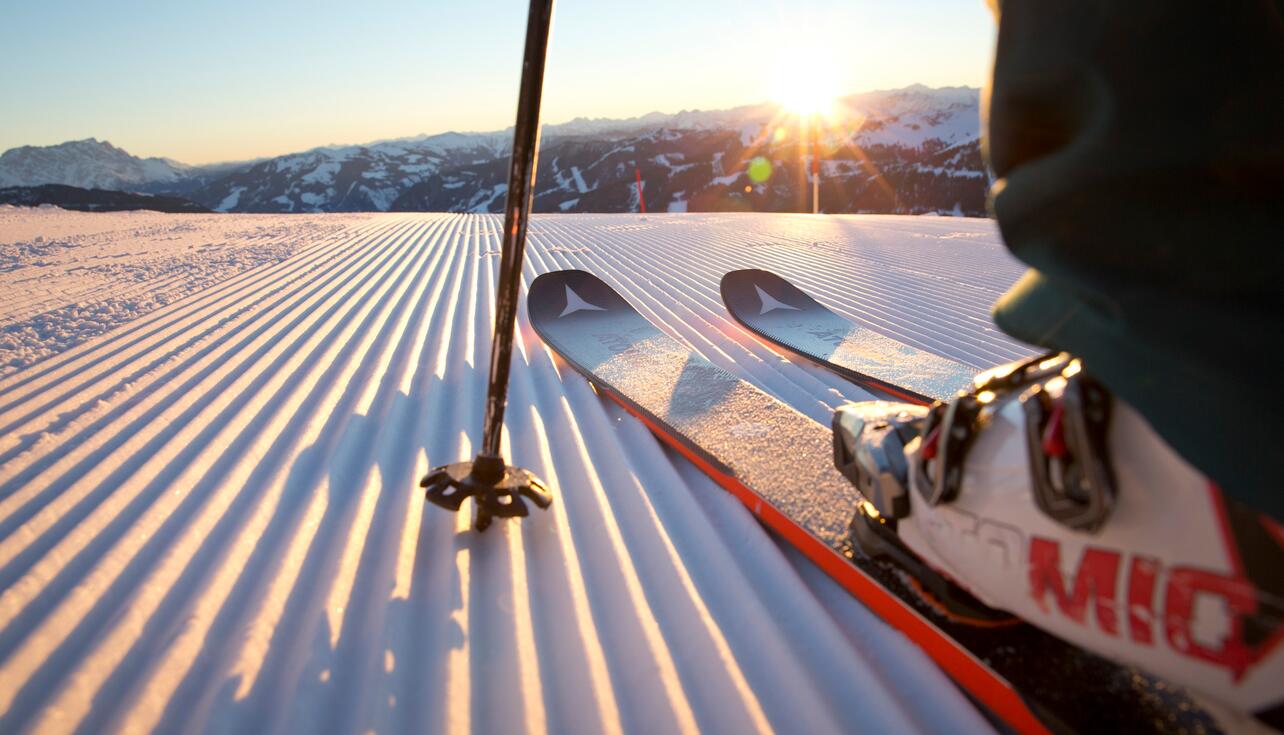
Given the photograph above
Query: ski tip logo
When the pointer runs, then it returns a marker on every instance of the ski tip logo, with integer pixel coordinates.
(770, 303)
(574, 303)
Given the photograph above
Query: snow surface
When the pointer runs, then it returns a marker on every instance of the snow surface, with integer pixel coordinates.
(66, 277)
(209, 519)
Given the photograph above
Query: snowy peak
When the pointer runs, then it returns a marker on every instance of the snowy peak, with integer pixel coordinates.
(912, 116)
(354, 178)
(907, 150)
(908, 117)
(923, 141)
(88, 164)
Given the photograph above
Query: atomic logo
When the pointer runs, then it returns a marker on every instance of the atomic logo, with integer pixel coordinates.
(770, 303)
(575, 303)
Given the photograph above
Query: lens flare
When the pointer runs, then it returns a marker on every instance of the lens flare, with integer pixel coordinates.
(804, 82)
(759, 170)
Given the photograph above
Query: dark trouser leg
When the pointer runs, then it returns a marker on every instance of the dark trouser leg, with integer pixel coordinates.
(1139, 147)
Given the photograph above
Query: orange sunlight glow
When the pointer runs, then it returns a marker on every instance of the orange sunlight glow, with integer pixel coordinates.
(804, 83)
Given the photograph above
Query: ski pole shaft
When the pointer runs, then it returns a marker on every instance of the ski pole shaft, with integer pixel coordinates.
(521, 180)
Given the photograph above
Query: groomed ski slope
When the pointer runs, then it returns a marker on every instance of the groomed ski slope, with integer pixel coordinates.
(209, 519)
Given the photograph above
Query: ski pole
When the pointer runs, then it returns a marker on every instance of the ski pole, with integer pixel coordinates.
(498, 489)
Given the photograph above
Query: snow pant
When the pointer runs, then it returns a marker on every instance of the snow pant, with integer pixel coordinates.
(1138, 149)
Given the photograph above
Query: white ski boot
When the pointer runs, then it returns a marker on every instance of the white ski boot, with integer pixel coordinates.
(1043, 496)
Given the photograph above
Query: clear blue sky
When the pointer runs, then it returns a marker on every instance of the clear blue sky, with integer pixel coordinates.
(214, 80)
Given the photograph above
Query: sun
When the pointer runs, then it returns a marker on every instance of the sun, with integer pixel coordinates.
(807, 97)
(804, 83)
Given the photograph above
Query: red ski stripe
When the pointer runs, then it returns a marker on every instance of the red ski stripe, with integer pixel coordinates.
(981, 682)
(894, 392)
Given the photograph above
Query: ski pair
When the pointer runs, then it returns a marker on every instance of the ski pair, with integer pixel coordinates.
(1029, 680)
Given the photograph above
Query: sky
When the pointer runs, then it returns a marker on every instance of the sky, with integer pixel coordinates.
(202, 81)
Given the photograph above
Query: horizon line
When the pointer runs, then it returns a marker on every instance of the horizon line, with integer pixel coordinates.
(426, 136)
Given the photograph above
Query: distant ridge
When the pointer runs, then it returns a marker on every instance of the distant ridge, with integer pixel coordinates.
(88, 163)
(94, 200)
(913, 150)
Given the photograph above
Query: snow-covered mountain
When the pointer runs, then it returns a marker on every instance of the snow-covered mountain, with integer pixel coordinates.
(910, 150)
(907, 116)
(348, 178)
(88, 164)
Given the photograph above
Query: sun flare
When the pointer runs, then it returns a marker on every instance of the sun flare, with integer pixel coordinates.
(807, 97)
(804, 83)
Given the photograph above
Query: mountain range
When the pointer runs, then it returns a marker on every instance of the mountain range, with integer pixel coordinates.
(87, 164)
(912, 150)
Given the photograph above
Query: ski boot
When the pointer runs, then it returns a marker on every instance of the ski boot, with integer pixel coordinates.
(1044, 497)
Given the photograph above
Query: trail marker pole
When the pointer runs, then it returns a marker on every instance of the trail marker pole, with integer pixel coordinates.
(815, 164)
(641, 200)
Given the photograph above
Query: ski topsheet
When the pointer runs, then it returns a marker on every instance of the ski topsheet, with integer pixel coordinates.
(778, 463)
(781, 313)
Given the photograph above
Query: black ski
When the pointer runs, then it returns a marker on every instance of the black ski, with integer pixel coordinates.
(735, 433)
(783, 314)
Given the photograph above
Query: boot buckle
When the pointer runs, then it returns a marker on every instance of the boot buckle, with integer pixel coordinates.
(1070, 468)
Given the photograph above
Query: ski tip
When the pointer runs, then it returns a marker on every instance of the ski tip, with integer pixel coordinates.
(736, 286)
(751, 292)
(552, 278)
(559, 295)
(738, 280)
